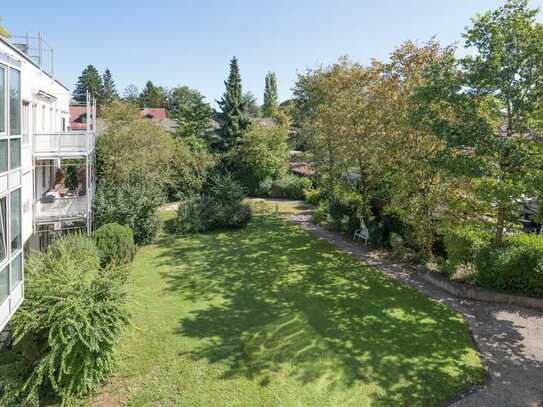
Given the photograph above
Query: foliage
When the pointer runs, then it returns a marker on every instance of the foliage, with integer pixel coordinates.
(89, 81)
(516, 266)
(463, 243)
(131, 94)
(220, 208)
(346, 212)
(314, 196)
(115, 244)
(270, 95)
(286, 187)
(64, 331)
(153, 96)
(123, 147)
(3, 30)
(109, 89)
(481, 105)
(132, 202)
(262, 153)
(233, 119)
(193, 114)
(251, 105)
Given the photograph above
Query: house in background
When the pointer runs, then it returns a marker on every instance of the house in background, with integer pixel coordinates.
(160, 117)
(46, 170)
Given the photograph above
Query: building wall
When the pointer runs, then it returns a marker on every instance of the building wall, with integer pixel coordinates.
(37, 105)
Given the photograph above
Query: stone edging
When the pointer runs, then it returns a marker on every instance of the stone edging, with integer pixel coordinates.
(479, 294)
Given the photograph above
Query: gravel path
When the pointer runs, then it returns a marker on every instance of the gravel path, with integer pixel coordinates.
(509, 338)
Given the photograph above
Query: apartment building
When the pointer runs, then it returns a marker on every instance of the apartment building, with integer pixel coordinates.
(46, 169)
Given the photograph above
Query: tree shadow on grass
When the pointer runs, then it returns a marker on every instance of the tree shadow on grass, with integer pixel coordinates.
(280, 301)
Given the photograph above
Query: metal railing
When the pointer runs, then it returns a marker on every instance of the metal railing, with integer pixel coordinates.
(66, 208)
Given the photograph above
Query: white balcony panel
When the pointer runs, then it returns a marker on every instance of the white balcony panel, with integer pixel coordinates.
(3, 183)
(67, 143)
(63, 208)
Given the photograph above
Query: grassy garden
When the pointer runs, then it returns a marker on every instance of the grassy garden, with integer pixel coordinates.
(268, 315)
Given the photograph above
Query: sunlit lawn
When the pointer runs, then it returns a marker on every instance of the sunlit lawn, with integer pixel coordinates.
(270, 316)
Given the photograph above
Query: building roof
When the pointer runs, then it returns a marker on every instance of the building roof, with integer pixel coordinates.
(78, 117)
(154, 113)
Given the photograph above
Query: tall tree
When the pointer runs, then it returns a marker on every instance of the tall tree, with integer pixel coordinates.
(233, 117)
(270, 95)
(193, 114)
(131, 94)
(110, 91)
(89, 81)
(152, 96)
(482, 104)
(253, 110)
(3, 30)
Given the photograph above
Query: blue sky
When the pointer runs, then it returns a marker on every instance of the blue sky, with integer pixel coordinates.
(191, 42)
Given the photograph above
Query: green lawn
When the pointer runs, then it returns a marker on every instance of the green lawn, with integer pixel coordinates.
(270, 316)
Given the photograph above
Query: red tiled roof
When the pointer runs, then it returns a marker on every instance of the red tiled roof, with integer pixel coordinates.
(78, 120)
(154, 113)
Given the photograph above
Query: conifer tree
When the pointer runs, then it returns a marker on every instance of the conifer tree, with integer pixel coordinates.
(89, 81)
(110, 91)
(233, 117)
(270, 95)
(153, 96)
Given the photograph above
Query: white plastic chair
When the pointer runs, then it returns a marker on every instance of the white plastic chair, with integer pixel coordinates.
(362, 233)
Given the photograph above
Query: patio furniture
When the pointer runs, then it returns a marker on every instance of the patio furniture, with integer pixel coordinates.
(362, 233)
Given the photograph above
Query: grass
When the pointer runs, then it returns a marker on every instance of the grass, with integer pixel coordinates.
(270, 316)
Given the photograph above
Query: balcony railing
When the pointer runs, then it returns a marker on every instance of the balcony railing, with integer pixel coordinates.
(64, 143)
(66, 208)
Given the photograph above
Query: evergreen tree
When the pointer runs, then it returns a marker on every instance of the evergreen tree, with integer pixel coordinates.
(252, 107)
(89, 81)
(110, 91)
(233, 116)
(270, 95)
(152, 96)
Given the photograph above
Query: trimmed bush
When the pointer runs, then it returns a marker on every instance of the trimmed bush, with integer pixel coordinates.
(65, 330)
(191, 216)
(517, 266)
(265, 187)
(115, 244)
(228, 215)
(290, 187)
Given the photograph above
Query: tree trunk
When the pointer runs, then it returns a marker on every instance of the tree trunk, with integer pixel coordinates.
(500, 226)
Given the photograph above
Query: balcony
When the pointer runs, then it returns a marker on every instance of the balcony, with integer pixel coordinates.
(64, 144)
(68, 208)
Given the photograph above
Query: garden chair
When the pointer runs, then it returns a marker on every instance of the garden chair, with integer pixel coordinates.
(362, 233)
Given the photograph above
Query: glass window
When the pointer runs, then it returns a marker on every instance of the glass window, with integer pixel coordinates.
(3, 156)
(16, 241)
(3, 230)
(16, 270)
(14, 102)
(26, 123)
(2, 100)
(15, 153)
(4, 284)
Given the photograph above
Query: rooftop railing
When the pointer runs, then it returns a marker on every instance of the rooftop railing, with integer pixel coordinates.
(64, 143)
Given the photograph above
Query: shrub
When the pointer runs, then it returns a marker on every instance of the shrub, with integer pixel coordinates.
(191, 216)
(265, 187)
(221, 208)
(517, 266)
(376, 230)
(321, 213)
(133, 203)
(345, 212)
(290, 187)
(463, 243)
(115, 244)
(314, 196)
(66, 328)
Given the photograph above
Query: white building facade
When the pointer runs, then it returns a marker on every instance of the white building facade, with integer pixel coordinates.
(46, 170)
